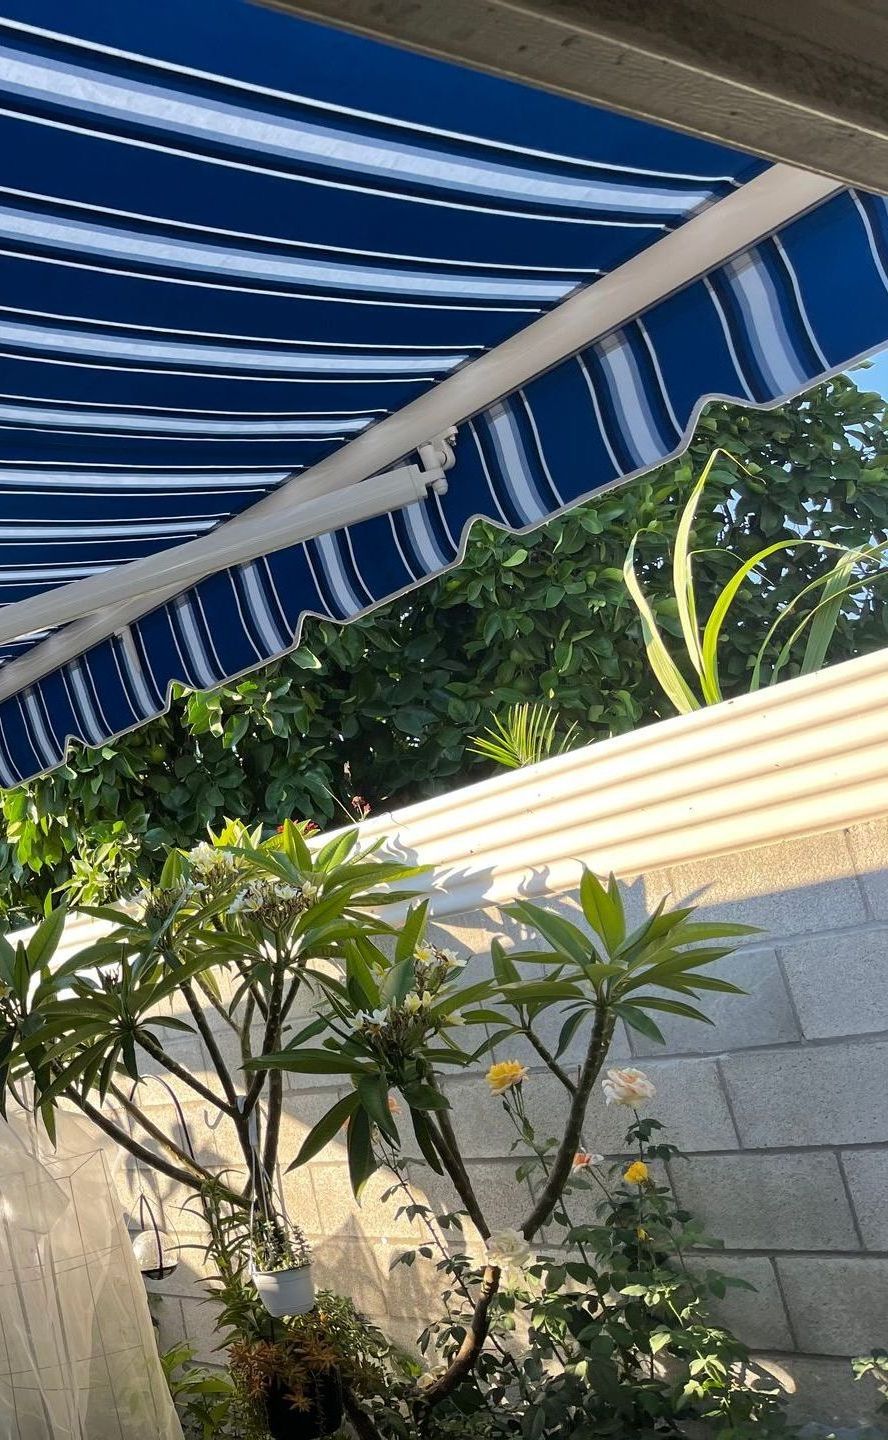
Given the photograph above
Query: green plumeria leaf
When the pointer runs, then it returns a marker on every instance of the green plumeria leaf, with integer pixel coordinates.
(636, 1019)
(560, 933)
(327, 1127)
(603, 911)
(361, 1160)
(372, 1092)
(311, 1062)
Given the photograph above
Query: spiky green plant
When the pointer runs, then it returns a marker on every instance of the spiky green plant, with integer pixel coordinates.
(701, 645)
(527, 734)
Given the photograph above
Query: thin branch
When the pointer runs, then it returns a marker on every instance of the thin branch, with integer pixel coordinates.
(200, 1176)
(255, 996)
(157, 1052)
(270, 1038)
(599, 1043)
(293, 990)
(226, 1079)
(127, 1142)
(363, 1426)
(217, 1005)
(548, 1058)
(447, 1146)
(273, 1121)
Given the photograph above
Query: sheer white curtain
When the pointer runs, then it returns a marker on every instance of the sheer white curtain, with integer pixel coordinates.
(78, 1360)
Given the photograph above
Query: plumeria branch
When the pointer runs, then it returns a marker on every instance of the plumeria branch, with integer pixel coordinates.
(153, 1048)
(547, 1057)
(599, 1043)
(226, 1079)
(463, 1362)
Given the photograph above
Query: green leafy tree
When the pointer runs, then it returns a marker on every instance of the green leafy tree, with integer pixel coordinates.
(385, 708)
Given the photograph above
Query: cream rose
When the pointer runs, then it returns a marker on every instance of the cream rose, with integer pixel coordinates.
(508, 1250)
(627, 1087)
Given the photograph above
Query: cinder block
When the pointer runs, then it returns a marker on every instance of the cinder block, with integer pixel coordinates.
(839, 982)
(170, 1328)
(868, 843)
(768, 1202)
(482, 1127)
(867, 1175)
(689, 1102)
(351, 1267)
(795, 887)
(503, 1199)
(301, 1113)
(822, 1391)
(185, 1283)
(817, 1095)
(836, 1304)
(757, 1317)
(299, 1200)
(199, 1328)
(412, 1291)
(370, 1218)
(761, 1016)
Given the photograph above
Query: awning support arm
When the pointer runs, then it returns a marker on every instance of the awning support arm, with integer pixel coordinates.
(88, 619)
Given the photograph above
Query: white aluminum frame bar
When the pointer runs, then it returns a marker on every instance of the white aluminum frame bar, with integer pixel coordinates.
(720, 231)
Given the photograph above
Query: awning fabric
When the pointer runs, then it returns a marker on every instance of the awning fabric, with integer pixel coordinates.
(230, 241)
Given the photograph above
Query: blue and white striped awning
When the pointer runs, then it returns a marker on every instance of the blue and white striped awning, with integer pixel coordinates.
(232, 242)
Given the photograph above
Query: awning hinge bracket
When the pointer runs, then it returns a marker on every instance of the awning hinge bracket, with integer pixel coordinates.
(437, 456)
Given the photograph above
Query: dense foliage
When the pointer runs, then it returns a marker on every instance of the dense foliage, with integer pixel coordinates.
(385, 709)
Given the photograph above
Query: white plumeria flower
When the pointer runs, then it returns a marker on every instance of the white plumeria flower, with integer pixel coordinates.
(288, 892)
(243, 902)
(412, 1003)
(456, 1017)
(627, 1087)
(370, 1020)
(424, 954)
(452, 960)
(426, 1000)
(310, 892)
(204, 856)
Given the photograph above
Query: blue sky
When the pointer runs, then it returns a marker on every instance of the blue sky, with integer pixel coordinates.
(876, 377)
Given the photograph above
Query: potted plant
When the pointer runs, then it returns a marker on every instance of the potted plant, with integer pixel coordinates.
(293, 1385)
(281, 1267)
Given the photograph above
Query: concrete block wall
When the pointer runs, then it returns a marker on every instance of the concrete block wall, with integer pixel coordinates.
(781, 1106)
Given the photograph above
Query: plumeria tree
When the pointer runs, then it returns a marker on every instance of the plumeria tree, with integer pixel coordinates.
(223, 947)
(394, 1027)
(220, 949)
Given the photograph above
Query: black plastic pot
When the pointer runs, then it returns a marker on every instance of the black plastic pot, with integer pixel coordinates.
(324, 1417)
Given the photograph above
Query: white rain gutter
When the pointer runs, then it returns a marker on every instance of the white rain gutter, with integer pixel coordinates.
(723, 229)
(808, 755)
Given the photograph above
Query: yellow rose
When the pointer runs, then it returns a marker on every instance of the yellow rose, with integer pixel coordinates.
(505, 1076)
(637, 1174)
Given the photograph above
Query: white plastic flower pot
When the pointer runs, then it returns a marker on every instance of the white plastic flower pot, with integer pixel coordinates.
(286, 1292)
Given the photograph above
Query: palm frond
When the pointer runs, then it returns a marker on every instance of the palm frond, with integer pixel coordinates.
(524, 736)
